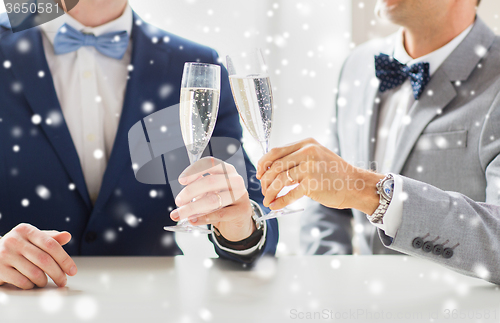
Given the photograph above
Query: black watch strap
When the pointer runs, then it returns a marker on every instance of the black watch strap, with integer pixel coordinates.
(247, 243)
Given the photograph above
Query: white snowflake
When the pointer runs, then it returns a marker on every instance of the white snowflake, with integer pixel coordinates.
(54, 118)
(341, 101)
(335, 263)
(131, 220)
(308, 102)
(360, 120)
(481, 271)
(231, 149)
(16, 87)
(205, 315)
(297, 129)
(4, 299)
(167, 240)
(98, 154)
(109, 235)
(86, 308)
(224, 286)
(25, 202)
(441, 142)
(480, 50)
(148, 107)
(23, 46)
(36, 119)
(43, 192)
(376, 287)
(208, 263)
(359, 228)
(51, 301)
(17, 132)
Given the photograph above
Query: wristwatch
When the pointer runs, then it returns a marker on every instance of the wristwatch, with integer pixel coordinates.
(252, 240)
(385, 190)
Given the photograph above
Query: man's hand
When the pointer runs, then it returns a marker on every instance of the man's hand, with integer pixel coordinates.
(221, 199)
(321, 174)
(28, 254)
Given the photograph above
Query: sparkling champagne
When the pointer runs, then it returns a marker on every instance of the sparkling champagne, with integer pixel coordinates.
(254, 99)
(198, 113)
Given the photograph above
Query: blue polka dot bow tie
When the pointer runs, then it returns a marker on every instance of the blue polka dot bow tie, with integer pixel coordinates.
(68, 39)
(392, 73)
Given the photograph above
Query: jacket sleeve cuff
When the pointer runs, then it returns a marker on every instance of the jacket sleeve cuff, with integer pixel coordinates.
(393, 216)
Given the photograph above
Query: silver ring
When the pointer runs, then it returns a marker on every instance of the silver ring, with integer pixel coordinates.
(289, 177)
(220, 200)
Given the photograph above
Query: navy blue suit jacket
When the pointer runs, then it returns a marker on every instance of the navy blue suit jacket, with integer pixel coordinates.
(47, 155)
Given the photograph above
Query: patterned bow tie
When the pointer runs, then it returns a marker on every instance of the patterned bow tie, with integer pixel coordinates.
(392, 73)
(68, 39)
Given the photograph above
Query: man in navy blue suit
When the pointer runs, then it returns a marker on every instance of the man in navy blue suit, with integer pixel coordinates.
(65, 111)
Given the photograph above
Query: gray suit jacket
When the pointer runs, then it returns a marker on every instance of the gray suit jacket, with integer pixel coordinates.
(449, 155)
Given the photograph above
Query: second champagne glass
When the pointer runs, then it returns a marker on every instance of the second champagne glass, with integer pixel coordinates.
(253, 95)
(199, 106)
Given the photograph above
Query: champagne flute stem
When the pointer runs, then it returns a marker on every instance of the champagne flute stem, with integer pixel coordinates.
(265, 146)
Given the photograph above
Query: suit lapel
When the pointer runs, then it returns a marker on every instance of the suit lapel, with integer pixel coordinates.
(457, 67)
(421, 113)
(142, 86)
(41, 96)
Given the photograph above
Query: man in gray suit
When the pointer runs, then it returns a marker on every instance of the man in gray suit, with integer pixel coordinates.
(426, 118)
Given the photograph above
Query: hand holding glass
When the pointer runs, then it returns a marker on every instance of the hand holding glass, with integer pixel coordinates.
(199, 106)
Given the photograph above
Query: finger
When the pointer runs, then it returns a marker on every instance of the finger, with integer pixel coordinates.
(45, 262)
(280, 182)
(293, 160)
(30, 271)
(204, 205)
(208, 184)
(290, 197)
(206, 165)
(54, 249)
(61, 237)
(14, 277)
(277, 153)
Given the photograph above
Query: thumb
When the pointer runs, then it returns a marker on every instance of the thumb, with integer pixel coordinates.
(61, 237)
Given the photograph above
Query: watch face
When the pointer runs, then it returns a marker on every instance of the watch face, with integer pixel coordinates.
(388, 188)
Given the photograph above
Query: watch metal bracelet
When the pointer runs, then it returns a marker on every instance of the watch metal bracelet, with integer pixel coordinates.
(384, 201)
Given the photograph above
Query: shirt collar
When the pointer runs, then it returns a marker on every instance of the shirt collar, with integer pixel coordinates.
(124, 22)
(435, 58)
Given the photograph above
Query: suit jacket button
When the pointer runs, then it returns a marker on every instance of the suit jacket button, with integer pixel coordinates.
(417, 243)
(91, 236)
(438, 249)
(428, 246)
(447, 253)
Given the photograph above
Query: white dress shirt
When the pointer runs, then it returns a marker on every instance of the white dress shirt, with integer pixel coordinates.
(91, 88)
(394, 107)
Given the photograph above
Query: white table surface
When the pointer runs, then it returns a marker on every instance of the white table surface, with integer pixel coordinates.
(287, 289)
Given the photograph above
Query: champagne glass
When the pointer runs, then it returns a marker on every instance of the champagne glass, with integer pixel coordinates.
(199, 105)
(253, 96)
